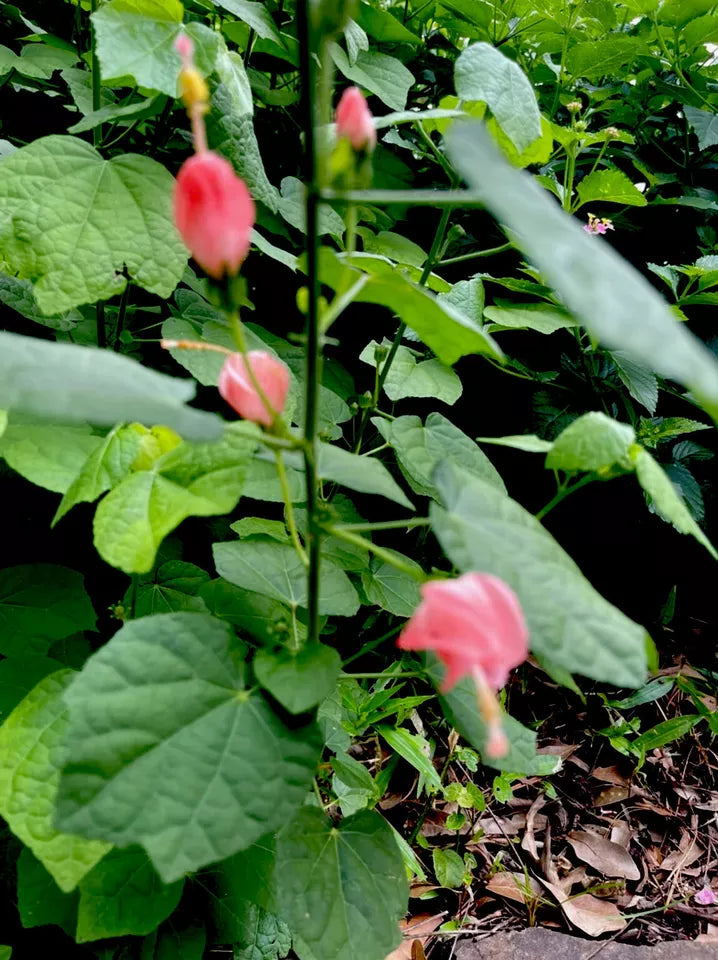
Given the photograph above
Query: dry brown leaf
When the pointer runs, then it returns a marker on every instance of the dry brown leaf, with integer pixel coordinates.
(621, 833)
(686, 854)
(610, 859)
(528, 842)
(610, 775)
(611, 795)
(515, 886)
(591, 915)
(419, 889)
(416, 929)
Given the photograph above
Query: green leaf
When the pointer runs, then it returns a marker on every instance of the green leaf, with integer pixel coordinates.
(255, 15)
(466, 296)
(353, 773)
(298, 680)
(420, 448)
(292, 206)
(264, 936)
(592, 442)
(480, 528)
(135, 42)
(29, 776)
(78, 221)
(260, 527)
(409, 378)
(395, 247)
(412, 748)
(62, 381)
(664, 733)
(37, 60)
(19, 674)
(124, 896)
(39, 899)
(484, 73)
(392, 589)
(178, 938)
(342, 890)
(365, 474)
(594, 59)
(441, 326)
(246, 877)
(449, 868)
(276, 571)
(40, 603)
(19, 295)
(542, 317)
(385, 77)
(106, 466)
(382, 26)
(461, 710)
(528, 442)
(609, 186)
(263, 618)
(537, 152)
(198, 480)
(167, 694)
(140, 110)
(617, 305)
(173, 586)
(47, 454)
(5, 952)
(704, 125)
(640, 382)
(664, 497)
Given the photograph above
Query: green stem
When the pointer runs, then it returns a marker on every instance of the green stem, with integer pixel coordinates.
(373, 644)
(388, 525)
(569, 176)
(100, 323)
(289, 509)
(562, 493)
(313, 368)
(386, 555)
(121, 313)
(673, 62)
(416, 198)
(97, 134)
(384, 676)
(475, 255)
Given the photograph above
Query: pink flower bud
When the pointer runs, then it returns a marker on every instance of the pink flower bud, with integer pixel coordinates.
(354, 120)
(214, 213)
(184, 46)
(236, 386)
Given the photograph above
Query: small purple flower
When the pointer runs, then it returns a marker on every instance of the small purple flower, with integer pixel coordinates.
(706, 897)
(597, 225)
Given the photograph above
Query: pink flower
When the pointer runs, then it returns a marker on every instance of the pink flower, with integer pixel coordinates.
(214, 213)
(240, 392)
(354, 120)
(597, 225)
(476, 626)
(706, 897)
(184, 46)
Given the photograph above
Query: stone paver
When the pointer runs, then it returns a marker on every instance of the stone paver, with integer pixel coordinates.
(540, 944)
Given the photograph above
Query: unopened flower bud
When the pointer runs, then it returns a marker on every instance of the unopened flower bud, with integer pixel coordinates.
(354, 120)
(214, 213)
(574, 106)
(258, 395)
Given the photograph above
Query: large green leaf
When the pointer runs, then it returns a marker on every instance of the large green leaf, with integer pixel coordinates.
(19, 674)
(365, 474)
(181, 937)
(264, 936)
(136, 38)
(484, 73)
(594, 59)
(62, 381)
(39, 899)
(193, 480)
(667, 501)
(609, 186)
(255, 15)
(617, 305)
(19, 295)
(124, 896)
(381, 25)
(410, 376)
(392, 589)
(29, 741)
(440, 325)
(106, 466)
(542, 317)
(40, 603)
(173, 586)
(419, 448)
(76, 221)
(384, 76)
(298, 679)
(591, 442)
(276, 571)
(342, 890)
(166, 748)
(480, 528)
(48, 454)
(704, 125)
(262, 617)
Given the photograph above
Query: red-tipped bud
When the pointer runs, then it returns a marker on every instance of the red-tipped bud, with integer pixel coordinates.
(214, 213)
(238, 389)
(354, 120)
(184, 46)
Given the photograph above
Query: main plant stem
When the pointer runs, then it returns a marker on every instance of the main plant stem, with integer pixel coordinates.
(313, 361)
(96, 140)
